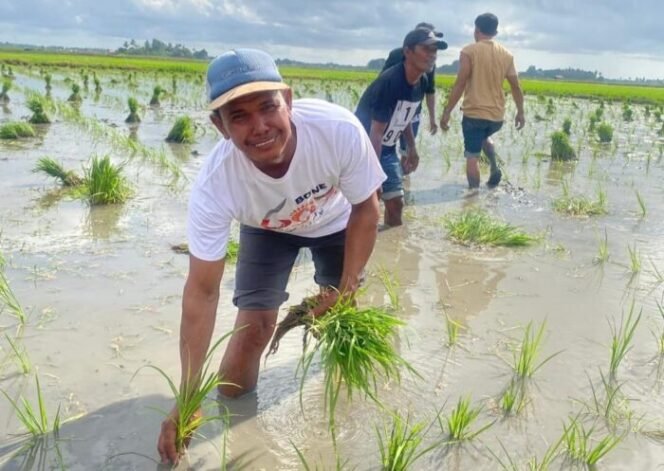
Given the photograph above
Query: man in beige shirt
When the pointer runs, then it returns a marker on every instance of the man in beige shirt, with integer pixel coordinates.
(483, 66)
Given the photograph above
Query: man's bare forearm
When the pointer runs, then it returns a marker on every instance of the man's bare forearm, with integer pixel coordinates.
(517, 95)
(361, 234)
(196, 327)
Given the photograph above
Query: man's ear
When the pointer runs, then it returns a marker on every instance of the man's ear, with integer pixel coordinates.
(219, 124)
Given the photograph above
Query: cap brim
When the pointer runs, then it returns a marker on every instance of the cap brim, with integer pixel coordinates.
(245, 89)
(441, 45)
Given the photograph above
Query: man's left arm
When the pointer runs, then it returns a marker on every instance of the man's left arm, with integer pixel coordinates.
(430, 99)
(412, 159)
(465, 68)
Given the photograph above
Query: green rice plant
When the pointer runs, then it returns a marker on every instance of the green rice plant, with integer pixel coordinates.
(48, 78)
(157, 92)
(660, 337)
(75, 96)
(609, 403)
(550, 107)
(634, 259)
(621, 339)
(579, 446)
(593, 122)
(642, 204)
(475, 226)
(659, 276)
(605, 132)
(524, 364)
(567, 126)
(339, 465)
(391, 285)
(97, 83)
(190, 396)
(534, 463)
(21, 356)
(399, 443)
(580, 205)
(104, 182)
(356, 350)
(8, 298)
(183, 131)
(37, 105)
(452, 328)
(627, 113)
(603, 249)
(133, 117)
(458, 423)
(34, 418)
(561, 149)
(513, 399)
(6, 86)
(16, 130)
(55, 169)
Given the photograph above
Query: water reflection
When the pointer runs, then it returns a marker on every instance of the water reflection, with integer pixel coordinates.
(558, 171)
(101, 222)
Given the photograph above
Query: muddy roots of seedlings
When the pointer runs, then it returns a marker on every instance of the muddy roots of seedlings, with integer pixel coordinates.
(298, 315)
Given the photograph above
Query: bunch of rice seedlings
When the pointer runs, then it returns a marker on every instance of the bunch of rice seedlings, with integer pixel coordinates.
(627, 113)
(55, 169)
(16, 130)
(567, 126)
(97, 82)
(34, 419)
(6, 86)
(189, 397)
(37, 105)
(133, 111)
(561, 149)
(612, 404)
(514, 398)
(9, 300)
(75, 96)
(580, 205)
(621, 339)
(399, 443)
(21, 356)
(86, 80)
(458, 423)
(182, 131)
(634, 259)
(105, 183)
(550, 107)
(475, 226)
(524, 364)
(605, 132)
(603, 249)
(579, 444)
(48, 78)
(356, 347)
(157, 92)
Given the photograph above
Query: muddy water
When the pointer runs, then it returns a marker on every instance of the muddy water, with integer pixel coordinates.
(102, 291)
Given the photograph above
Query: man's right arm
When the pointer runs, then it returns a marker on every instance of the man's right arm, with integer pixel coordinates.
(517, 95)
(199, 307)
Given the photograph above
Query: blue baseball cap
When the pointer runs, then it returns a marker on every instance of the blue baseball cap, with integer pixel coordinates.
(240, 72)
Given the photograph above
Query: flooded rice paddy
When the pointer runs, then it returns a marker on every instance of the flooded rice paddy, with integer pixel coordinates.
(101, 289)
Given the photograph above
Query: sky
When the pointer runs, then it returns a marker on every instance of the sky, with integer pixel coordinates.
(619, 38)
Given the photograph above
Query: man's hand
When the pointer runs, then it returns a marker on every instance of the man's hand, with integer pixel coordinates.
(445, 120)
(326, 300)
(410, 163)
(166, 445)
(519, 121)
(433, 127)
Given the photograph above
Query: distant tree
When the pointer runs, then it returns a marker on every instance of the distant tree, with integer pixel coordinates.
(376, 64)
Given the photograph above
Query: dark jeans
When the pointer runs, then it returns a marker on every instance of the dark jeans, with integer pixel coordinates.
(475, 131)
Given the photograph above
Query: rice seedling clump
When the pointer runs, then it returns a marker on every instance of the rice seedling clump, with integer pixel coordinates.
(605, 132)
(475, 226)
(16, 130)
(37, 105)
(356, 347)
(133, 117)
(105, 183)
(156, 95)
(6, 86)
(561, 149)
(75, 96)
(580, 205)
(54, 169)
(182, 131)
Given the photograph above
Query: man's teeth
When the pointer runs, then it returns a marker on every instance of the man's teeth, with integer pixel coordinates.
(265, 143)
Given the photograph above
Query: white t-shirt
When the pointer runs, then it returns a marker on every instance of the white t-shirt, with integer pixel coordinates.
(334, 166)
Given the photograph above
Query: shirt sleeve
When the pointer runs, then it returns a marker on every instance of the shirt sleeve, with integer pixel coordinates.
(208, 225)
(360, 174)
(382, 105)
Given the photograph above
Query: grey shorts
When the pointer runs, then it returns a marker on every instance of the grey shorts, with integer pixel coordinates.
(266, 259)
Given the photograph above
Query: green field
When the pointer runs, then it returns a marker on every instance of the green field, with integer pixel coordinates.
(637, 94)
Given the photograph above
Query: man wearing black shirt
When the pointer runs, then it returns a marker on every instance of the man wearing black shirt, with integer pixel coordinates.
(386, 110)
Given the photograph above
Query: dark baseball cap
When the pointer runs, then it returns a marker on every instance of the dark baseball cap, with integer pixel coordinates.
(426, 37)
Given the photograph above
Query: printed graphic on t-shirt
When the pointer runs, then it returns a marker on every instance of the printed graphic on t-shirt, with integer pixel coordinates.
(402, 116)
(309, 208)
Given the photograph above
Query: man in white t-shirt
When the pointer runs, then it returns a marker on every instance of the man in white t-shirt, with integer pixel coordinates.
(294, 174)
